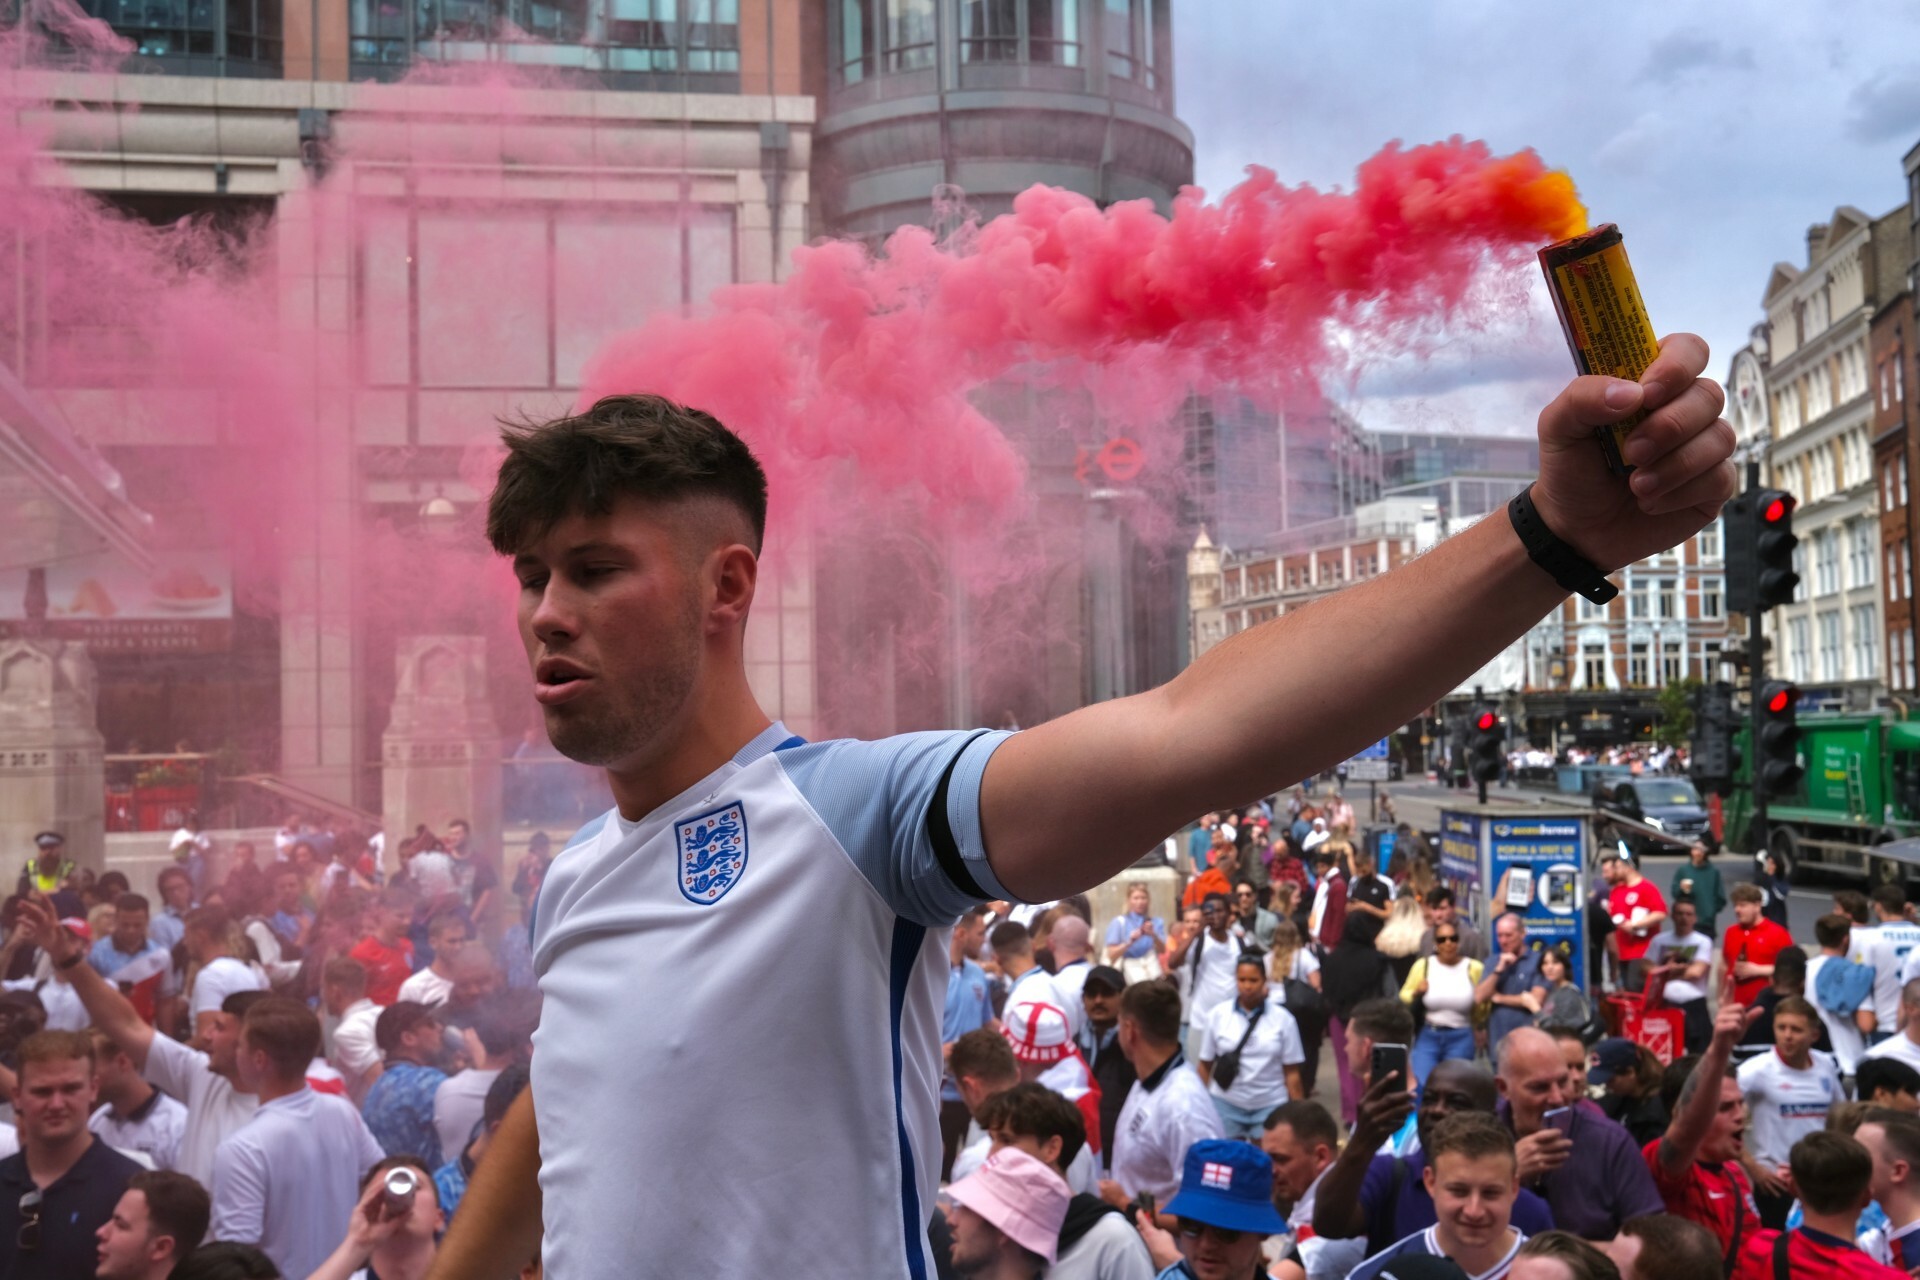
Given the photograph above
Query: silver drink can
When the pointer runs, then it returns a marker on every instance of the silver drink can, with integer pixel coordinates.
(397, 1188)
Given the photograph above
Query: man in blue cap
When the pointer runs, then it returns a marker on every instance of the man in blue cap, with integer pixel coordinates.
(1225, 1208)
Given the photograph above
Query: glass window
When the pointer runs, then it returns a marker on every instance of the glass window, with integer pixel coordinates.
(910, 34)
(1593, 663)
(1711, 604)
(1588, 611)
(1672, 661)
(1637, 663)
(1800, 649)
(1866, 638)
(1893, 573)
(989, 31)
(1710, 542)
(1664, 595)
(1638, 600)
(1860, 553)
(1054, 30)
(859, 40)
(1830, 655)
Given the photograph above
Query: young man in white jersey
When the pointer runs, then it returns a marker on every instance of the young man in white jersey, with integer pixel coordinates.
(635, 530)
(1831, 997)
(1683, 956)
(1788, 1094)
(1890, 945)
(1473, 1176)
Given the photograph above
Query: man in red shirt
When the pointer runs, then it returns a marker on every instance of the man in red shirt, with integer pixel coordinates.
(1752, 944)
(1638, 912)
(1832, 1173)
(386, 953)
(1696, 1163)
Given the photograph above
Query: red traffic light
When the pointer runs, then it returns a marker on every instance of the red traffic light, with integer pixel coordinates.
(1776, 511)
(1782, 699)
(1486, 721)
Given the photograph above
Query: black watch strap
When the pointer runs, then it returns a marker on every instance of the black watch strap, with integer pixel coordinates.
(1563, 564)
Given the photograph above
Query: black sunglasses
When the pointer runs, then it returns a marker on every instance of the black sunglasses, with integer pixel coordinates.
(1446, 937)
(1193, 1230)
(28, 1241)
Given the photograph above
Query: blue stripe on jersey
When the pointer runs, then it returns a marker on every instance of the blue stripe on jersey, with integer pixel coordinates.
(907, 940)
(795, 741)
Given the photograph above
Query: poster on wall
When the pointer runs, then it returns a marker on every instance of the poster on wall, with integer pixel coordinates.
(1538, 861)
(184, 604)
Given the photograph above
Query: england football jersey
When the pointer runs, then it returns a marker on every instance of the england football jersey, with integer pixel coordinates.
(1890, 946)
(1785, 1104)
(1428, 1242)
(741, 1033)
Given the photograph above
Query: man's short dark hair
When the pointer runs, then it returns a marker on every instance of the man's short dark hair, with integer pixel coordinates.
(505, 1021)
(172, 873)
(1310, 1122)
(1685, 1249)
(1891, 1074)
(400, 1019)
(1154, 1007)
(239, 1003)
(446, 918)
(114, 882)
(177, 1207)
(639, 446)
(1854, 903)
(1830, 1171)
(1473, 1134)
(1384, 1021)
(1832, 929)
(984, 1054)
(226, 1260)
(1035, 1111)
(1010, 938)
(1891, 898)
(347, 974)
(131, 902)
(1440, 897)
(500, 1094)
(1582, 1260)
(286, 1031)
(1745, 892)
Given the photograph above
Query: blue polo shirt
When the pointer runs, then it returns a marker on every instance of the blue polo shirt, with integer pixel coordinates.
(969, 1007)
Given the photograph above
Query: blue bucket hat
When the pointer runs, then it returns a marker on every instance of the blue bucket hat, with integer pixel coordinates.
(1228, 1185)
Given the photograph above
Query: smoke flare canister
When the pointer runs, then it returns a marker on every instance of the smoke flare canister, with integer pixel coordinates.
(1604, 319)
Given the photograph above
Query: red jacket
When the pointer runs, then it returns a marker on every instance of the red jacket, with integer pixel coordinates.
(1809, 1255)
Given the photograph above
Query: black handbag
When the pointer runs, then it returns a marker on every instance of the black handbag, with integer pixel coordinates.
(1226, 1067)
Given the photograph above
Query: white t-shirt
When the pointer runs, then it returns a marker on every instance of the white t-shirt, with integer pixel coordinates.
(219, 979)
(354, 1050)
(1842, 1031)
(289, 1178)
(1213, 983)
(1070, 978)
(457, 1105)
(1785, 1104)
(1667, 947)
(65, 1012)
(1157, 1125)
(427, 987)
(153, 1132)
(1889, 946)
(683, 914)
(1449, 999)
(1274, 1045)
(1897, 1046)
(214, 1109)
(1304, 965)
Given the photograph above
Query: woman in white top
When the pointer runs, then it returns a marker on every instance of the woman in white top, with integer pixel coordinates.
(1291, 961)
(1443, 983)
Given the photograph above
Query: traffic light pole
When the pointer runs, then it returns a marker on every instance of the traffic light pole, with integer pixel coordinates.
(1757, 678)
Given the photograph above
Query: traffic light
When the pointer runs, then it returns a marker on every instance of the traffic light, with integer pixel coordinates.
(1773, 579)
(1758, 540)
(1715, 758)
(1777, 754)
(1486, 752)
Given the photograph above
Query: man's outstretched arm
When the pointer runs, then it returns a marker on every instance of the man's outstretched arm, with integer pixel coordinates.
(1075, 801)
(497, 1231)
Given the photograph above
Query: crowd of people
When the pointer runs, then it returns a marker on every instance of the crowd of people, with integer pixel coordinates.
(292, 1071)
(1488, 1126)
(296, 1070)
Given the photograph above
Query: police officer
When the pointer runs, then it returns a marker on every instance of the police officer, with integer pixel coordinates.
(51, 870)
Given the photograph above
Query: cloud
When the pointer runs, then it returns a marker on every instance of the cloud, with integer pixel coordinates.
(1675, 54)
(1886, 105)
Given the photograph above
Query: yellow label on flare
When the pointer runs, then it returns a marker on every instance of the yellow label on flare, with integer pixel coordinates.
(1605, 321)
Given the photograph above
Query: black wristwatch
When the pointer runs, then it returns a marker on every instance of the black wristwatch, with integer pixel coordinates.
(71, 960)
(1563, 564)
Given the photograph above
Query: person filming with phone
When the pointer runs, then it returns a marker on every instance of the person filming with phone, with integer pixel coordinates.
(1588, 1169)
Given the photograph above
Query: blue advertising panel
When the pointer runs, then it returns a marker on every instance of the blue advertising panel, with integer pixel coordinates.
(1378, 751)
(1460, 847)
(1534, 866)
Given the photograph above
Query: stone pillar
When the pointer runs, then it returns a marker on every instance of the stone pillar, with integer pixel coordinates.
(52, 758)
(441, 750)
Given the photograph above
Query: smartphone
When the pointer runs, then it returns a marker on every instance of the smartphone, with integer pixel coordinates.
(1560, 1119)
(1147, 1209)
(1386, 1060)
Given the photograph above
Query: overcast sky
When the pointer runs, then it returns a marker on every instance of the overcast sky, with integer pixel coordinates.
(1712, 132)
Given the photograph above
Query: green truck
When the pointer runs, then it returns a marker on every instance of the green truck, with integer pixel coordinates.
(1857, 808)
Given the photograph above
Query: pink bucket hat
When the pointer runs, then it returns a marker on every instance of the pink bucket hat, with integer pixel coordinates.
(1037, 1031)
(1020, 1196)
